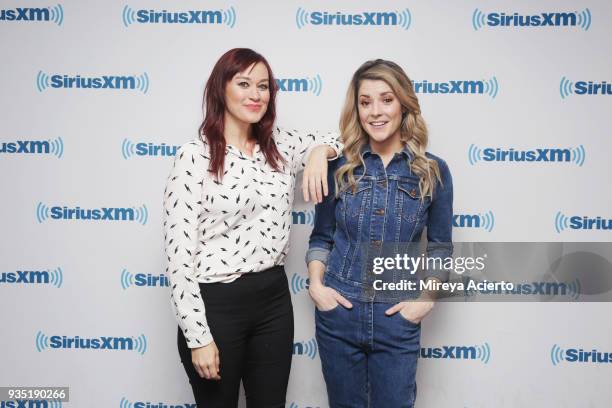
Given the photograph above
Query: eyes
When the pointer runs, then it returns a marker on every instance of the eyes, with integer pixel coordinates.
(366, 102)
(245, 85)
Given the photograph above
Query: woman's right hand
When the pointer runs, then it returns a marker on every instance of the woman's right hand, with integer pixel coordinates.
(206, 361)
(326, 298)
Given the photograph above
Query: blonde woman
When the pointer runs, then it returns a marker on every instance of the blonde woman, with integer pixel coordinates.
(383, 191)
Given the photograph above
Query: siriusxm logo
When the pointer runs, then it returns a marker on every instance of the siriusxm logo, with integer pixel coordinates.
(567, 88)
(125, 403)
(306, 348)
(576, 155)
(485, 221)
(53, 277)
(139, 215)
(143, 280)
(298, 283)
(577, 222)
(30, 404)
(401, 19)
(571, 289)
(303, 217)
(581, 19)
(129, 149)
(62, 81)
(482, 87)
(478, 352)
(137, 344)
(142, 16)
(578, 355)
(308, 84)
(53, 147)
(54, 14)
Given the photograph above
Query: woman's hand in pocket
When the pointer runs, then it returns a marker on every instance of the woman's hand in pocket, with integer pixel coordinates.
(326, 298)
(413, 311)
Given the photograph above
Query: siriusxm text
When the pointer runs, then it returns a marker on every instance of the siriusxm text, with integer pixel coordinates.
(101, 343)
(36, 277)
(450, 352)
(450, 87)
(592, 88)
(580, 356)
(181, 17)
(150, 149)
(590, 223)
(366, 18)
(97, 214)
(25, 14)
(26, 146)
(100, 82)
(537, 155)
(141, 279)
(535, 20)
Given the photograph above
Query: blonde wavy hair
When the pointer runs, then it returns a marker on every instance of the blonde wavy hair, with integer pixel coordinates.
(413, 130)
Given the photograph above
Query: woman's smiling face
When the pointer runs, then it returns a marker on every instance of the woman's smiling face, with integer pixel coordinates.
(380, 112)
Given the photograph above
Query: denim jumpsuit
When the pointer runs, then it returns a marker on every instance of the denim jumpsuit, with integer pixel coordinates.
(368, 358)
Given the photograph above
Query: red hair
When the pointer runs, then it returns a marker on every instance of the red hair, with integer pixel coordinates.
(232, 62)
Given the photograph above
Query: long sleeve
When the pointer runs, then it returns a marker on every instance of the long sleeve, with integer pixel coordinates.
(321, 238)
(440, 223)
(297, 145)
(182, 207)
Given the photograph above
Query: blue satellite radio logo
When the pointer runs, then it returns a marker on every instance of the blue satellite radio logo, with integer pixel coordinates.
(569, 289)
(485, 221)
(299, 283)
(398, 18)
(306, 348)
(575, 155)
(51, 277)
(53, 147)
(313, 84)
(129, 279)
(30, 404)
(580, 19)
(125, 403)
(303, 217)
(137, 344)
(581, 222)
(478, 352)
(567, 88)
(131, 16)
(52, 14)
(139, 215)
(488, 87)
(138, 83)
(578, 355)
(130, 149)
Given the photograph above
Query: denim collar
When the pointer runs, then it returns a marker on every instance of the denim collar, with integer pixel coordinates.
(366, 149)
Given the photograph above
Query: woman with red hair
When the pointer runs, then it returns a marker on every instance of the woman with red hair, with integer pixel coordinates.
(227, 218)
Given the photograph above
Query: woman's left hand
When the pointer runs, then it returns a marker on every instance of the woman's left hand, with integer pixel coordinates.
(413, 311)
(314, 178)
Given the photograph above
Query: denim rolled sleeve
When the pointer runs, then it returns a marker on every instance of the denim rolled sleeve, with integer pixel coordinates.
(321, 238)
(440, 223)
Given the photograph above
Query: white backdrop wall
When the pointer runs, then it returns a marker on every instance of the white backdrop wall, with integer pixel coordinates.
(66, 146)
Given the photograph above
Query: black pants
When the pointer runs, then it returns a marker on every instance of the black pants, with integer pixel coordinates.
(251, 321)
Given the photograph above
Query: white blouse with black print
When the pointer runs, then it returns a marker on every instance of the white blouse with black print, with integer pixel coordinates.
(217, 231)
